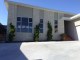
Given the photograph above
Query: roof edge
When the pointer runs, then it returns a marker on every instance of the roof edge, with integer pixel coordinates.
(37, 7)
(75, 16)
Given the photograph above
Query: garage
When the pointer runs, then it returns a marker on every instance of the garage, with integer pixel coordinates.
(75, 27)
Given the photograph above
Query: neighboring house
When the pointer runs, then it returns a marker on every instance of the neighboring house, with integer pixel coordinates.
(25, 17)
(2, 32)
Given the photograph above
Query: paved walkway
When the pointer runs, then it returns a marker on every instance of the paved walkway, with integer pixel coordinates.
(40, 51)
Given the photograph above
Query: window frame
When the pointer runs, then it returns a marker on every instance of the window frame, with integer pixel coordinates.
(26, 26)
(56, 26)
(41, 28)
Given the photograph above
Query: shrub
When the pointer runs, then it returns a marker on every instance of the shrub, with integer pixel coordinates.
(11, 33)
(65, 37)
(49, 32)
(36, 33)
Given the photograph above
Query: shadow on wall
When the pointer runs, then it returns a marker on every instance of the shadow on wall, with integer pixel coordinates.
(70, 29)
(11, 51)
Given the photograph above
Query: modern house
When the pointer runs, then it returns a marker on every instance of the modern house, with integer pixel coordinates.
(25, 17)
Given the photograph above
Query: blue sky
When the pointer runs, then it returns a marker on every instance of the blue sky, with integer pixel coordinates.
(72, 6)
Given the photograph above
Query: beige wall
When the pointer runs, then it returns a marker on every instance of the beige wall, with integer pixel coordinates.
(15, 11)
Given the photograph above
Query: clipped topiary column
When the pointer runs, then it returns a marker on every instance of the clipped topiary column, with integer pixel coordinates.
(36, 33)
(49, 31)
(11, 33)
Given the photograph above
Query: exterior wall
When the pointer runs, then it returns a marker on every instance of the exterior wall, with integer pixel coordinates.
(35, 18)
(11, 16)
(15, 11)
(24, 12)
(48, 16)
(72, 28)
(60, 28)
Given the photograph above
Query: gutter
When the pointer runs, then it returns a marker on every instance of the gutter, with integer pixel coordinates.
(75, 17)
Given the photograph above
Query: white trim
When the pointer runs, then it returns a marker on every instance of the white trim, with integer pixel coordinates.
(65, 18)
(75, 17)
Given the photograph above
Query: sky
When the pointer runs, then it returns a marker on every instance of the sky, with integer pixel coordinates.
(72, 6)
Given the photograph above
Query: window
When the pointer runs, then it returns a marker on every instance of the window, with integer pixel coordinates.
(56, 21)
(41, 21)
(56, 16)
(30, 25)
(41, 25)
(18, 24)
(18, 19)
(30, 19)
(24, 24)
(56, 25)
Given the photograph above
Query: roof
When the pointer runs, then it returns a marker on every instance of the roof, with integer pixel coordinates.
(37, 7)
(75, 17)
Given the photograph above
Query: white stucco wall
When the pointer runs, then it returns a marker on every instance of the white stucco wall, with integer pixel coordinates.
(15, 11)
(24, 12)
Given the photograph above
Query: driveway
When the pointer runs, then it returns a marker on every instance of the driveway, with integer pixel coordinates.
(40, 51)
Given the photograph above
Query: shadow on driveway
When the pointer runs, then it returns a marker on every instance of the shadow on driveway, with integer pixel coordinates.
(11, 51)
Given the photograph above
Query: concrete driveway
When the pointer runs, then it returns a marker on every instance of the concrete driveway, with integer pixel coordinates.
(40, 51)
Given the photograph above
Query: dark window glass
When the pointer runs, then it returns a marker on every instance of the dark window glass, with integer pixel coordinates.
(18, 19)
(41, 20)
(18, 23)
(41, 30)
(30, 19)
(25, 21)
(30, 29)
(18, 26)
(41, 25)
(24, 29)
(56, 26)
(30, 24)
(24, 24)
(56, 21)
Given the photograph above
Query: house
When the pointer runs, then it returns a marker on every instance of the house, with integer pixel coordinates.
(2, 33)
(25, 17)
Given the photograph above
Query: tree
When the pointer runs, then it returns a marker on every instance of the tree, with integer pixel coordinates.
(2, 29)
(49, 31)
(11, 32)
(36, 33)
